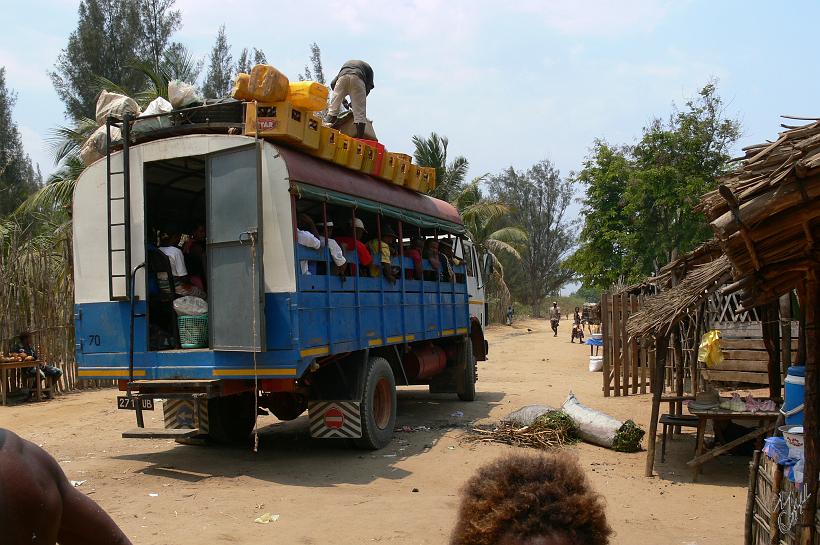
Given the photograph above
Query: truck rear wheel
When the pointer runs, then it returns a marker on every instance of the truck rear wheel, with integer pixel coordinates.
(378, 405)
(467, 375)
(231, 418)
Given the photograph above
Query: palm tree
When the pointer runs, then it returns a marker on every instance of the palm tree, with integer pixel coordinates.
(66, 141)
(432, 152)
(482, 219)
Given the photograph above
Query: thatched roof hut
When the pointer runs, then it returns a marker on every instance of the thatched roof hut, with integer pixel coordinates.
(765, 214)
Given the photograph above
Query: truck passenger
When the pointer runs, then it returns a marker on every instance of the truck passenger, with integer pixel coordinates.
(414, 252)
(352, 241)
(169, 245)
(307, 236)
(382, 250)
(336, 254)
(432, 255)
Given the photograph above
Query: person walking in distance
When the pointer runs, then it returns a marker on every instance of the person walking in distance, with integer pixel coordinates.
(355, 79)
(555, 317)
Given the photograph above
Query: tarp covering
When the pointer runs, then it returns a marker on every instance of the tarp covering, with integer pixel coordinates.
(323, 180)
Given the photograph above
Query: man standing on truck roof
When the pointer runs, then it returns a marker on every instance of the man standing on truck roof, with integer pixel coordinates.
(355, 80)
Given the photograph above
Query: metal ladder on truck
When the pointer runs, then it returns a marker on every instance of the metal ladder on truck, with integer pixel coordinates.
(118, 190)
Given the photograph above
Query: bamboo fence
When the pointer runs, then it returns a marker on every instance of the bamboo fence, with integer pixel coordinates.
(37, 295)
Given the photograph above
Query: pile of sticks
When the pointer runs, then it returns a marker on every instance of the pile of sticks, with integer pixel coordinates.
(765, 214)
(539, 437)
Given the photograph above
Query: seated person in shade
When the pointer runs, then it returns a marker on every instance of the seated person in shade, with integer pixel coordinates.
(307, 235)
(414, 252)
(352, 241)
(336, 254)
(169, 245)
(26, 347)
(382, 250)
(521, 499)
(431, 254)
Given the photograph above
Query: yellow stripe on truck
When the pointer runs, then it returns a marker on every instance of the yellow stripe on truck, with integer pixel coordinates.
(118, 372)
(254, 372)
(318, 351)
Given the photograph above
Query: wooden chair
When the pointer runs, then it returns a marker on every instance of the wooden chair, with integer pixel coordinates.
(682, 420)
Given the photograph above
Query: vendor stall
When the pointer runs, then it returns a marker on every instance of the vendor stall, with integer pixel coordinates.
(766, 216)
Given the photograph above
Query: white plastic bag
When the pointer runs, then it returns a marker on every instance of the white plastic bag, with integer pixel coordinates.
(94, 148)
(596, 364)
(191, 306)
(115, 105)
(158, 106)
(525, 416)
(183, 94)
(595, 427)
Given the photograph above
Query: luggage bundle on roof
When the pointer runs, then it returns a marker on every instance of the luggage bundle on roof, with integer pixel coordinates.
(286, 112)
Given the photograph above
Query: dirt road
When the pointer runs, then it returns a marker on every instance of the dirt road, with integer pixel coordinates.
(164, 493)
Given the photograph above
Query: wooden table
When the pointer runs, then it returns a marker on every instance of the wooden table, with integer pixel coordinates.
(766, 422)
(4, 377)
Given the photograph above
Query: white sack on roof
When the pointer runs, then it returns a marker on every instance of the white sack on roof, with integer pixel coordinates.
(115, 105)
(94, 148)
(158, 106)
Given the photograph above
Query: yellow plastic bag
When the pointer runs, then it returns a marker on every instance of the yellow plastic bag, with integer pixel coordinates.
(709, 351)
(308, 95)
(267, 84)
(241, 88)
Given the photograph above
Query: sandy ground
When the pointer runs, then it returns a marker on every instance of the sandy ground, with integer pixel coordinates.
(164, 493)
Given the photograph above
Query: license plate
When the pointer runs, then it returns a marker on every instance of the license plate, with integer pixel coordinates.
(130, 403)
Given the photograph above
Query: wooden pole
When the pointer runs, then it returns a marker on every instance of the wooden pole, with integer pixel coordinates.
(661, 343)
(771, 340)
(606, 328)
(812, 407)
(785, 333)
(801, 331)
(750, 498)
(616, 342)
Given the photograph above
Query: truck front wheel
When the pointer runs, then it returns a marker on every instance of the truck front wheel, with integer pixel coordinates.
(378, 405)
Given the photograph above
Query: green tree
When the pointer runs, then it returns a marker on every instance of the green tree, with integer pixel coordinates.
(314, 70)
(676, 162)
(219, 77)
(639, 204)
(18, 178)
(103, 44)
(538, 200)
(259, 57)
(602, 257)
(159, 21)
(243, 64)
(432, 152)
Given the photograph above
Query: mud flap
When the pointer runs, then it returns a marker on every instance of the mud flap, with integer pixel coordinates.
(186, 414)
(335, 419)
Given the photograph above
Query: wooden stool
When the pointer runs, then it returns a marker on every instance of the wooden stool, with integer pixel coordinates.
(683, 420)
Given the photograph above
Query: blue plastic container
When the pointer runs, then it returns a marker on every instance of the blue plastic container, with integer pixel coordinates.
(795, 395)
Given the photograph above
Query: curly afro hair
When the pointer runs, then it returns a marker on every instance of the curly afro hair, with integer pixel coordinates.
(531, 499)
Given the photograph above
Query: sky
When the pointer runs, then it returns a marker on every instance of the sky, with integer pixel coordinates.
(509, 83)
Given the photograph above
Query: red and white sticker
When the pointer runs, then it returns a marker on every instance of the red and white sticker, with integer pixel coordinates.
(334, 418)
